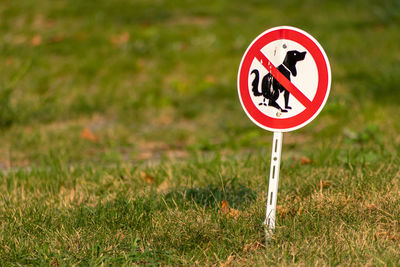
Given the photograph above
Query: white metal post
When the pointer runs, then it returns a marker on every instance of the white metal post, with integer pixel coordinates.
(273, 181)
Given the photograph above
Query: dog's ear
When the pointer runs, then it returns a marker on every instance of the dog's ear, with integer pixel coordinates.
(299, 56)
(290, 62)
(292, 57)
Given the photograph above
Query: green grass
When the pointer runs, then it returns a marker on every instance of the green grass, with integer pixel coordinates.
(155, 84)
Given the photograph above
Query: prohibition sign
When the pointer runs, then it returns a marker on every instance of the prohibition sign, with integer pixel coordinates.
(311, 104)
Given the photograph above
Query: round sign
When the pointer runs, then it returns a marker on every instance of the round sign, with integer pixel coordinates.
(284, 79)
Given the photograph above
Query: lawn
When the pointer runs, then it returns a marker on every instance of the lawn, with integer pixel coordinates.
(124, 141)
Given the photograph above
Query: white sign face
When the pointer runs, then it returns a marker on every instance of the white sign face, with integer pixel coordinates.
(284, 79)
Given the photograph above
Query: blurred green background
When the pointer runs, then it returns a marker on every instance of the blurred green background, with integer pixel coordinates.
(121, 134)
(148, 78)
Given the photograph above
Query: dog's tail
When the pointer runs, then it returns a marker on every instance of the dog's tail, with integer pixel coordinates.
(254, 84)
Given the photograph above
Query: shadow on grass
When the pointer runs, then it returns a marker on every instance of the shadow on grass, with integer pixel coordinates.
(237, 195)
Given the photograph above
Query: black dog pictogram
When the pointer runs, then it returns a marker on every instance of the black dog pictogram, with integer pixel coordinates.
(270, 87)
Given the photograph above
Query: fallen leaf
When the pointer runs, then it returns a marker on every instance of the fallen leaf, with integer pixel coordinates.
(92, 151)
(300, 210)
(147, 178)
(304, 160)
(228, 211)
(224, 207)
(210, 79)
(387, 235)
(40, 22)
(4, 163)
(120, 235)
(54, 262)
(145, 155)
(56, 39)
(227, 262)
(371, 206)
(36, 40)
(163, 119)
(324, 184)
(9, 61)
(120, 39)
(294, 162)
(163, 186)
(254, 246)
(282, 211)
(234, 213)
(87, 134)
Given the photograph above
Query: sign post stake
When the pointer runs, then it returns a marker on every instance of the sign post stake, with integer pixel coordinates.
(283, 83)
(269, 221)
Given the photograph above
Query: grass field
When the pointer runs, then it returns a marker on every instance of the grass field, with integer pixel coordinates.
(124, 142)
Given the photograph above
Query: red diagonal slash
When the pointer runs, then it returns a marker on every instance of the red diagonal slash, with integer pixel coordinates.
(283, 80)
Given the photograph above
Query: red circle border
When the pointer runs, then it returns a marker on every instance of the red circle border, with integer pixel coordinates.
(301, 119)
